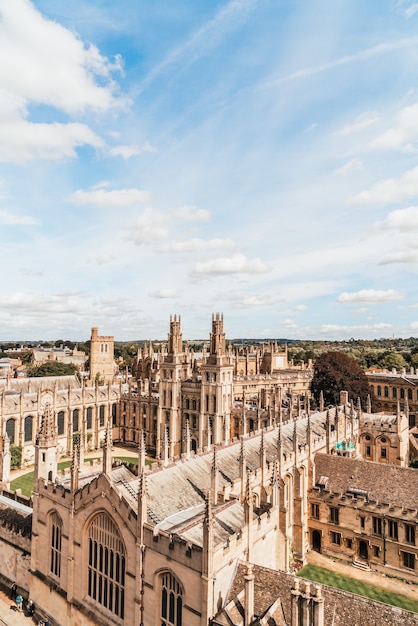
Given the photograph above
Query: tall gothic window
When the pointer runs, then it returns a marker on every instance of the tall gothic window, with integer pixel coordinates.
(106, 564)
(10, 430)
(171, 601)
(75, 421)
(28, 427)
(89, 418)
(55, 546)
(60, 422)
(101, 416)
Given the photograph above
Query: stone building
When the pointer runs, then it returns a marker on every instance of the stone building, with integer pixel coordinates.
(163, 544)
(77, 408)
(102, 360)
(177, 388)
(365, 513)
(391, 387)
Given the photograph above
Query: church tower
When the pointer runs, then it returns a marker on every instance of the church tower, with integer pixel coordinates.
(102, 358)
(216, 390)
(46, 447)
(173, 370)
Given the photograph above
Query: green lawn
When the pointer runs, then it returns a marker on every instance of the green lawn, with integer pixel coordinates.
(25, 482)
(327, 577)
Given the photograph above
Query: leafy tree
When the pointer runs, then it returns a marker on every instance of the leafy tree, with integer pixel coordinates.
(335, 372)
(392, 359)
(52, 368)
(15, 457)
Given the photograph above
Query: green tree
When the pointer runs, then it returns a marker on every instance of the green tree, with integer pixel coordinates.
(392, 359)
(15, 457)
(334, 372)
(52, 368)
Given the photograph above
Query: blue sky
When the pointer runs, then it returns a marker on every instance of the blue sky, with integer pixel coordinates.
(253, 157)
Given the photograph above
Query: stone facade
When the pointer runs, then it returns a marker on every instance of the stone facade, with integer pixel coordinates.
(391, 387)
(212, 394)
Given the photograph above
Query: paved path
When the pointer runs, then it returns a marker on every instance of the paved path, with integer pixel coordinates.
(371, 577)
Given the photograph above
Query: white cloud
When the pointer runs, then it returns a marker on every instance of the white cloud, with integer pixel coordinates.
(237, 264)
(165, 294)
(126, 152)
(402, 133)
(149, 227)
(371, 296)
(10, 219)
(196, 245)
(360, 311)
(401, 219)
(406, 255)
(21, 141)
(360, 123)
(191, 214)
(300, 307)
(48, 64)
(390, 190)
(110, 199)
(240, 300)
(337, 329)
(350, 166)
(289, 323)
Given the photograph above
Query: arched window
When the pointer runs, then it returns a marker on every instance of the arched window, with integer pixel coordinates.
(101, 416)
(114, 414)
(106, 564)
(60, 422)
(394, 392)
(28, 428)
(55, 545)
(379, 390)
(89, 417)
(10, 430)
(386, 392)
(402, 394)
(75, 421)
(171, 601)
(409, 394)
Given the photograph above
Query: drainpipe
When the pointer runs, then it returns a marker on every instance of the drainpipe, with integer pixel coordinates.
(384, 540)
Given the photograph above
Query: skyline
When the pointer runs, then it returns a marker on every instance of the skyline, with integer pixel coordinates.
(253, 157)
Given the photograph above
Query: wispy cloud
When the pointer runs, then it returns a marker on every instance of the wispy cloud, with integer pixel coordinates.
(12, 219)
(350, 166)
(402, 134)
(114, 198)
(390, 190)
(370, 296)
(205, 39)
(196, 245)
(360, 123)
(237, 264)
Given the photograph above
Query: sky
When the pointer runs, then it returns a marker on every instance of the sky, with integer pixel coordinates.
(257, 158)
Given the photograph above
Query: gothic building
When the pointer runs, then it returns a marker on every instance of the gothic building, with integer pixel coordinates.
(212, 393)
(164, 544)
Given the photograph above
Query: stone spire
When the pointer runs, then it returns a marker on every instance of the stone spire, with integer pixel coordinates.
(187, 439)
(321, 400)
(75, 466)
(166, 445)
(142, 451)
(107, 450)
(242, 465)
(369, 404)
(249, 596)
(214, 474)
(46, 447)
(208, 522)
(248, 513)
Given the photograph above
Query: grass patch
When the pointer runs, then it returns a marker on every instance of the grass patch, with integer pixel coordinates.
(352, 585)
(25, 482)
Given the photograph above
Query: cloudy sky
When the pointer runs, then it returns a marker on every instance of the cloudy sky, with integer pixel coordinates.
(253, 157)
